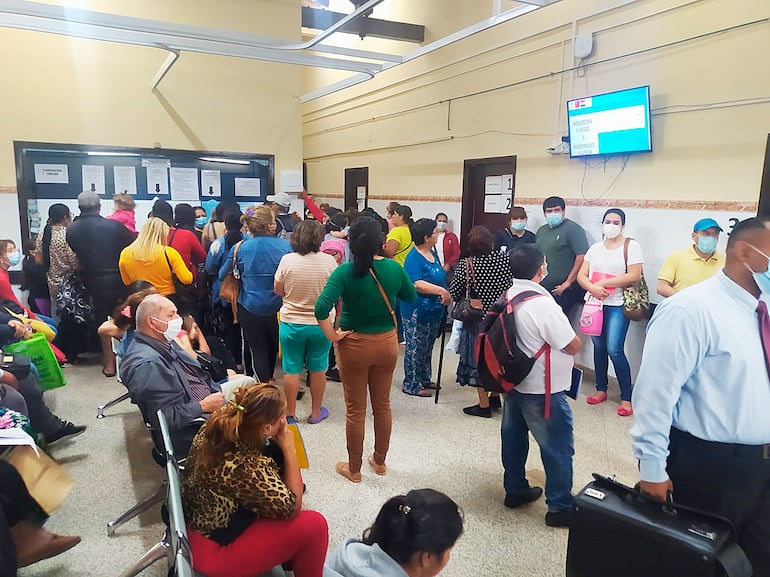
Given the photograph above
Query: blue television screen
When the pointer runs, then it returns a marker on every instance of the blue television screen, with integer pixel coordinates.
(612, 123)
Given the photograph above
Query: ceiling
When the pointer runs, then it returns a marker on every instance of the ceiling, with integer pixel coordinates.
(321, 49)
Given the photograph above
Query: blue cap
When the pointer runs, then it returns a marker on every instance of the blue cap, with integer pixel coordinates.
(705, 223)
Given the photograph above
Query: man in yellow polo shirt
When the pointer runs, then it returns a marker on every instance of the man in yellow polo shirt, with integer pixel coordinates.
(689, 266)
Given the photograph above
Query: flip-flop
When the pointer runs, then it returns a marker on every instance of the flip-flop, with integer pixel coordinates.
(324, 415)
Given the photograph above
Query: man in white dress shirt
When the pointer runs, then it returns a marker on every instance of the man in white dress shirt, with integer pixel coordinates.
(702, 397)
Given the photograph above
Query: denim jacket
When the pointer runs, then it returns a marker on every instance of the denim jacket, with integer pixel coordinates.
(257, 261)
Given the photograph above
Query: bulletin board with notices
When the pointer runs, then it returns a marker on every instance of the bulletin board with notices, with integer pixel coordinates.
(48, 173)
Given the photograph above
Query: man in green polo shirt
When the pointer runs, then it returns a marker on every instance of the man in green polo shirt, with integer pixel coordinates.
(696, 263)
(564, 245)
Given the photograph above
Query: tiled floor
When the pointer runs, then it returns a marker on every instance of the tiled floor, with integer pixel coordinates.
(432, 446)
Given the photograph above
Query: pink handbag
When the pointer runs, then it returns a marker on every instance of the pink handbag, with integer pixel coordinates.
(592, 317)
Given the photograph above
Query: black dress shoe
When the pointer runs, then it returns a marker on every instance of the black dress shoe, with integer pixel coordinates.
(66, 431)
(478, 411)
(494, 402)
(333, 375)
(532, 494)
(558, 518)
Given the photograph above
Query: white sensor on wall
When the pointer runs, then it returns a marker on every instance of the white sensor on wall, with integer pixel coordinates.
(584, 45)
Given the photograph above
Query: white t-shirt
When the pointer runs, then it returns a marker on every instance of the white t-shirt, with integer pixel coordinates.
(440, 247)
(603, 260)
(540, 320)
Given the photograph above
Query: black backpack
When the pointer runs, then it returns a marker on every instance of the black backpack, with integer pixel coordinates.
(501, 363)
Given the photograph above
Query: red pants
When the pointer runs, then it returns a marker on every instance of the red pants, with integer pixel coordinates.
(301, 541)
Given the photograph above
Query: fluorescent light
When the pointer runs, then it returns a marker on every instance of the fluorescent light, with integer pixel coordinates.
(225, 160)
(92, 153)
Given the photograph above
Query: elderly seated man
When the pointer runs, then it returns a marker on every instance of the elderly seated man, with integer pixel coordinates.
(159, 374)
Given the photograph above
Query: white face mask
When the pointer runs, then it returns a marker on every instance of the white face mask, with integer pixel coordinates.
(611, 230)
(173, 327)
(440, 226)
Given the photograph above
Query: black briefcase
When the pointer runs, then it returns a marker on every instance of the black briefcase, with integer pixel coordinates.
(618, 532)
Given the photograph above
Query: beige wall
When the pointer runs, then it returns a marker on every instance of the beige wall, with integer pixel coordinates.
(404, 127)
(62, 89)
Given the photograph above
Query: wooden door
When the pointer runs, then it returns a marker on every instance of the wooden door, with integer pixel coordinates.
(489, 186)
(357, 188)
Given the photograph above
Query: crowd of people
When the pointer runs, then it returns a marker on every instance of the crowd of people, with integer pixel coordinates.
(337, 292)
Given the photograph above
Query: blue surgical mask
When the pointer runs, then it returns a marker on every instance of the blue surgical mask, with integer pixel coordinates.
(201, 221)
(707, 244)
(762, 278)
(518, 224)
(554, 218)
(14, 258)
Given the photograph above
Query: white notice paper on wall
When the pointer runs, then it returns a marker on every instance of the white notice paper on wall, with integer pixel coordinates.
(157, 179)
(211, 183)
(93, 178)
(361, 192)
(246, 187)
(52, 174)
(507, 190)
(297, 205)
(291, 181)
(492, 203)
(493, 184)
(184, 184)
(125, 179)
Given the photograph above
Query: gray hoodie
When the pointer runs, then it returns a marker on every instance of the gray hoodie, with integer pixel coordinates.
(355, 559)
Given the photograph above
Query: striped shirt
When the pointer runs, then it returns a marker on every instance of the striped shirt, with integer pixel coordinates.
(304, 278)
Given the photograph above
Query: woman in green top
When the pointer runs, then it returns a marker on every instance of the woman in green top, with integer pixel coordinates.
(367, 343)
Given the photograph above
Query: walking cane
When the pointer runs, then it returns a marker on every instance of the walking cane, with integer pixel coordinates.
(440, 356)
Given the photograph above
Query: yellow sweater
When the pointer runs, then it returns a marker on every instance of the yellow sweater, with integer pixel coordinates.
(155, 272)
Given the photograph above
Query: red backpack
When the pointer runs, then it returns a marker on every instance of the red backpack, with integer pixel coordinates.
(501, 363)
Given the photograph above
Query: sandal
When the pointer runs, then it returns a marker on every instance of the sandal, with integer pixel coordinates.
(422, 393)
(625, 411)
(343, 469)
(597, 398)
(377, 468)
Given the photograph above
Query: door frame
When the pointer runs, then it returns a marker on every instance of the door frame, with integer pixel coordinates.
(763, 206)
(345, 200)
(467, 204)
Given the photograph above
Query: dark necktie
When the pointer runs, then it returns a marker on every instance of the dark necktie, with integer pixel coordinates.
(764, 331)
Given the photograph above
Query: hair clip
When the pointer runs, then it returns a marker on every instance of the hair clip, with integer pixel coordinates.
(404, 509)
(249, 212)
(241, 408)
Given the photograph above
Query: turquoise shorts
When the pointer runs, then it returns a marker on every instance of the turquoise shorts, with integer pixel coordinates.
(303, 346)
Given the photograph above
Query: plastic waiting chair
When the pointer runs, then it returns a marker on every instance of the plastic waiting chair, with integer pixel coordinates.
(101, 408)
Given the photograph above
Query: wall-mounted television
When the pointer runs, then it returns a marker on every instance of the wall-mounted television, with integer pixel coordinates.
(611, 123)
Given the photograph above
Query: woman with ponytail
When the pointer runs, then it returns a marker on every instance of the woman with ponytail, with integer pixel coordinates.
(57, 257)
(413, 536)
(244, 512)
(367, 343)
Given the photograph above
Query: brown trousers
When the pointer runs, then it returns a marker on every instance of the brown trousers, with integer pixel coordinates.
(367, 359)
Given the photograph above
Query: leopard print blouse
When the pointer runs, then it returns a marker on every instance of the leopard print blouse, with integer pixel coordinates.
(244, 480)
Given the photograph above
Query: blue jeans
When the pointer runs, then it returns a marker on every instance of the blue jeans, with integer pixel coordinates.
(523, 413)
(610, 344)
(420, 334)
